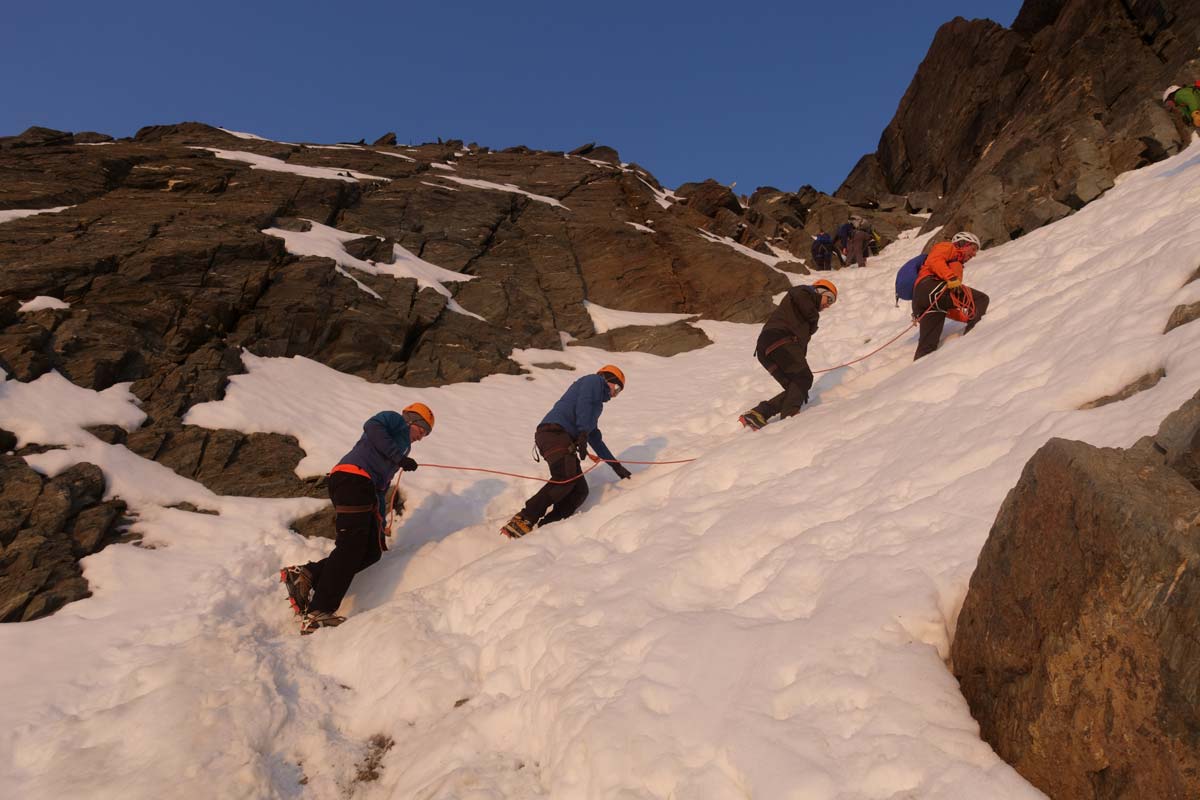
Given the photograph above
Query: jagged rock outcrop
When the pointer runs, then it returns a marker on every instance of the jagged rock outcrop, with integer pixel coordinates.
(1077, 644)
(1015, 128)
(660, 340)
(46, 526)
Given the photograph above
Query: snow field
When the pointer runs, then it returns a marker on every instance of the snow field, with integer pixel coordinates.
(770, 620)
(270, 164)
(19, 213)
(326, 242)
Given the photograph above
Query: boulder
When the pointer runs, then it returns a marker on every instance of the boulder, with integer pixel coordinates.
(603, 153)
(921, 202)
(1077, 646)
(708, 197)
(46, 526)
(227, 462)
(659, 340)
(1182, 314)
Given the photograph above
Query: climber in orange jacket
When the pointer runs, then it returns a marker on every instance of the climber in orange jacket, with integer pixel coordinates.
(939, 291)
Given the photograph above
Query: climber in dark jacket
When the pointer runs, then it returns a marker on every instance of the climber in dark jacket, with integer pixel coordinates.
(822, 251)
(841, 240)
(562, 439)
(782, 349)
(358, 486)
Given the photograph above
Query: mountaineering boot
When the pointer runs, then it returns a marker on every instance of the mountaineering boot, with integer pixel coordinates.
(517, 527)
(752, 420)
(313, 620)
(299, 585)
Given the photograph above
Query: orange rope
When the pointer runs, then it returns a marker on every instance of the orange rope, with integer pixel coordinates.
(598, 461)
(873, 352)
(911, 325)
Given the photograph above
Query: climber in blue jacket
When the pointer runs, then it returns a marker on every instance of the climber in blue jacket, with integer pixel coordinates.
(562, 438)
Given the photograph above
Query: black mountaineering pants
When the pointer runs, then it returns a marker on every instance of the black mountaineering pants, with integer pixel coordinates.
(787, 360)
(357, 544)
(559, 451)
(933, 322)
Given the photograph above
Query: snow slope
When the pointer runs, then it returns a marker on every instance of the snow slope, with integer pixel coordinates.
(767, 621)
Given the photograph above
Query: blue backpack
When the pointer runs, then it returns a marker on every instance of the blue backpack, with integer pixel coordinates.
(906, 277)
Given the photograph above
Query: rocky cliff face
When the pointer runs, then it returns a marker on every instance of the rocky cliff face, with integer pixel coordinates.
(1014, 128)
(1076, 646)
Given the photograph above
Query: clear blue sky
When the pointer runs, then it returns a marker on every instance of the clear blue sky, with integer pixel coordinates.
(763, 93)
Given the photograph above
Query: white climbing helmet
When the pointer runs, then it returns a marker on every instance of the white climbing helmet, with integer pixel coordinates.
(965, 237)
(1170, 91)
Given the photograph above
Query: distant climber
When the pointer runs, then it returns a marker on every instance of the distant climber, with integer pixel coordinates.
(841, 239)
(861, 238)
(940, 291)
(782, 349)
(562, 439)
(358, 486)
(822, 251)
(1185, 101)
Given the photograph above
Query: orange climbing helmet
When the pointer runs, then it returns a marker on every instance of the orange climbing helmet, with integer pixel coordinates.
(612, 373)
(827, 287)
(419, 414)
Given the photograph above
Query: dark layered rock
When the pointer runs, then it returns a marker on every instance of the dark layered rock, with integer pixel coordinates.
(225, 461)
(597, 153)
(1141, 384)
(709, 196)
(1181, 315)
(1077, 645)
(46, 526)
(1019, 127)
(660, 340)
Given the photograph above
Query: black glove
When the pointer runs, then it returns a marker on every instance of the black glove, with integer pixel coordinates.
(408, 465)
(581, 446)
(622, 473)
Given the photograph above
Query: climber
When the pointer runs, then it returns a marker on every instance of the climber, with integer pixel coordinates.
(841, 238)
(1185, 100)
(358, 486)
(562, 439)
(939, 290)
(782, 349)
(822, 251)
(860, 242)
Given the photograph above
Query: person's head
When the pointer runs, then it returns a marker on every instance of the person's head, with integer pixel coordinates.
(613, 377)
(967, 245)
(1169, 96)
(419, 419)
(827, 291)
